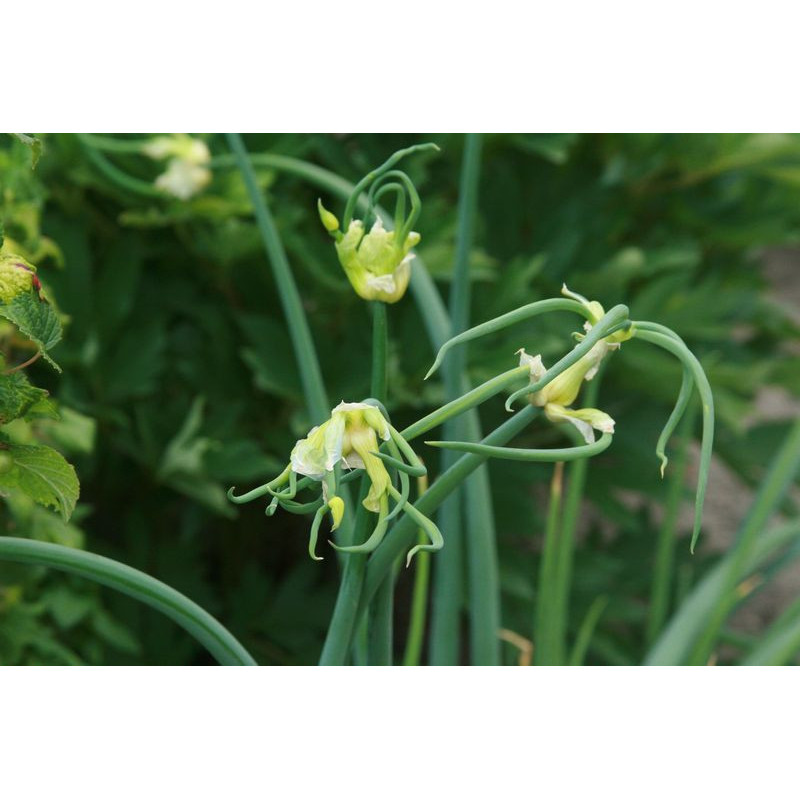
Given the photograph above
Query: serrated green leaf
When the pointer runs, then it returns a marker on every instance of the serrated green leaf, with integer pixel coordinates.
(44, 475)
(18, 398)
(36, 319)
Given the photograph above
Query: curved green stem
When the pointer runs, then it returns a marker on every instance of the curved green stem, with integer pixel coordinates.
(523, 454)
(399, 206)
(116, 175)
(504, 320)
(377, 172)
(684, 395)
(200, 624)
(676, 346)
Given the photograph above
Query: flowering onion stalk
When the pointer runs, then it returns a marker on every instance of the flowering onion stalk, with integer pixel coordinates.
(349, 441)
(557, 388)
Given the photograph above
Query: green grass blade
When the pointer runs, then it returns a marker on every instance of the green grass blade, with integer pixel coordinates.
(586, 631)
(780, 644)
(773, 489)
(674, 646)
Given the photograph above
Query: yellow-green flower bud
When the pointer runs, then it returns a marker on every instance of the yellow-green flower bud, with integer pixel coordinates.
(336, 506)
(376, 264)
(564, 388)
(328, 219)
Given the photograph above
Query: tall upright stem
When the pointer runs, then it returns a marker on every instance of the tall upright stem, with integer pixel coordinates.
(381, 610)
(304, 350)
(545, 641)
(576, 481)
(470, 504)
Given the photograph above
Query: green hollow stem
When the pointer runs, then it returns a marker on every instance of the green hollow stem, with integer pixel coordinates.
(449, 569)
(483, 572)
(339, 636)
(404, 533)
(180, 609)
(675, 345)
(381, 610)
(432, 310)
(419, 606)
(684, 395)
(304, 350)
(545, 652)
(387, 165)
(342, 625)
(782, 472)
(504, 320)
(663, 567)
(576, 481)
(419, 596)
(523, 454)
(447, 589)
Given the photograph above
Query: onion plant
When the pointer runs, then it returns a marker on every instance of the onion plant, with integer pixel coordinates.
(369, 488)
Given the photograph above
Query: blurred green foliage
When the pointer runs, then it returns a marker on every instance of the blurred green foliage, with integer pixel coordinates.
(179, 378)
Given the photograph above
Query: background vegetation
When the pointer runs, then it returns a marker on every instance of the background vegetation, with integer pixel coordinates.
(179, 378)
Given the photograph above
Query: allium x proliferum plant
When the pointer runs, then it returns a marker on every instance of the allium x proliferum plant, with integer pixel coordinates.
(376, 255)
(389, 516)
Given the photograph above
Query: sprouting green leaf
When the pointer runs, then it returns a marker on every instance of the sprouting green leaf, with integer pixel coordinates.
(43, 474)
(18, 398)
